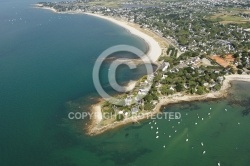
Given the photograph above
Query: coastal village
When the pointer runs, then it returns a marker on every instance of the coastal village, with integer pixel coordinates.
(207, 40)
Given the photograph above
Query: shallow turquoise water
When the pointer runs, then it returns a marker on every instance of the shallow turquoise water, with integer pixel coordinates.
(46, 60)
(222, 134)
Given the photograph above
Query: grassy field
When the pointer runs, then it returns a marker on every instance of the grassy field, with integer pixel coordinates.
(230, 16)
(106, 3)
(117, 3)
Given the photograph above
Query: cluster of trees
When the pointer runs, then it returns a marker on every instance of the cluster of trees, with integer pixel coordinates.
(172, 51)
(165, 90)
(151, 96)
(193, 32)
(148, 106)
(188, 54)
(188, 79)
(242, 57)
(171, 60)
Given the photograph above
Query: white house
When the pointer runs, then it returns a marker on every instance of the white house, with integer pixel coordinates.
(128, 101)
(165, 66)
(134, 110)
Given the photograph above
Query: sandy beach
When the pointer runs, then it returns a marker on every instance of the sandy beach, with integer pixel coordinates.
(97, 113)
(95, 129)
(46, 8)
(154, 50)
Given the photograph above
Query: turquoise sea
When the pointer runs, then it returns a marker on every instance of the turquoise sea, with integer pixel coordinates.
(46, 63)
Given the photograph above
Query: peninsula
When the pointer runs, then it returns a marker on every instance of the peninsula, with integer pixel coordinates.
(198, 53)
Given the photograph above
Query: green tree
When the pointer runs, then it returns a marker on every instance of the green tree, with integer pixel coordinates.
(200, 90)
(239, 71)
(217, 87)
(148, 106)
(240, 67)
(179, 87)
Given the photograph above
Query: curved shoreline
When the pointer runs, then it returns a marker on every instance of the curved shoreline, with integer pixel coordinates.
(154, 49)
(95, 129)
(154, 52)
